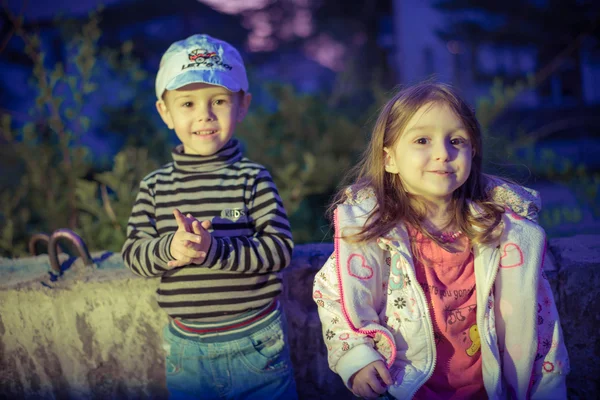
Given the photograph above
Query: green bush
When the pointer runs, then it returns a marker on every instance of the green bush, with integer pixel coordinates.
(308, 142)
(519, 155)
(47, 182)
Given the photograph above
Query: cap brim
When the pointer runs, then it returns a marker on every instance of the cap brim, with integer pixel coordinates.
(204, 76)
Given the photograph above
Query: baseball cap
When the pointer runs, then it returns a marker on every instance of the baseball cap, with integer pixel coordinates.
(201, 58)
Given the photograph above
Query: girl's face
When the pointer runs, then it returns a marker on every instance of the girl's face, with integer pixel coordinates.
(433, 154)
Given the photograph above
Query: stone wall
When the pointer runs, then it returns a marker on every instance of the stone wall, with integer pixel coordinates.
(95, 332)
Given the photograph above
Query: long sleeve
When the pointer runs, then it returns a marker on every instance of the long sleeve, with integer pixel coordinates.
(269, 249)
(348, 351)
(145, 252)
(350, 291)
(534, 357)
(251, 238)
(551, 364)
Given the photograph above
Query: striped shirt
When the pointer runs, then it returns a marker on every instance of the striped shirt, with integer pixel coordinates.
(251, 237)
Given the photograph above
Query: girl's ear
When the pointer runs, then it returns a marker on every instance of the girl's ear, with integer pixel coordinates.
(389, 163)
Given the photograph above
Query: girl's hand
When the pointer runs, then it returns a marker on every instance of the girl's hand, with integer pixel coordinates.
(191, 241)
(371, 381)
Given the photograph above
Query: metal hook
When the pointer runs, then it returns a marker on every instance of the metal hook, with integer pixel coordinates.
(38, 237)
(72, 237)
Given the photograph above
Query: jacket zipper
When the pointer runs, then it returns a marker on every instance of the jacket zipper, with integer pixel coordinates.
(428, 319)
(420, 289)
(486, 332)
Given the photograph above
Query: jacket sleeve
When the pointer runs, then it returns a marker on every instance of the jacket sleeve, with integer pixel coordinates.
(522, 201)
(144, 251)
(551, 364)
(349, 349)
(269, 249)
(534, 357)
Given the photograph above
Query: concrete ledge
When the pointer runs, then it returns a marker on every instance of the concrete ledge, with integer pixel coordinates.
(95, 332)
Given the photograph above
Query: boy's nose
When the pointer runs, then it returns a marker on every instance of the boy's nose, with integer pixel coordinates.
(205, 114)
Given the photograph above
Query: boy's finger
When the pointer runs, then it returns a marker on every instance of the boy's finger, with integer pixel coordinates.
(180, 220)
(198, 228)
(190, 237)
(193, 244)
(206, 224)
(179, 254)
(190, 220)
(187, 222)
(190, 252)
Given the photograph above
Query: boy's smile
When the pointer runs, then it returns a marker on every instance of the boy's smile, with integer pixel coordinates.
(203, 116)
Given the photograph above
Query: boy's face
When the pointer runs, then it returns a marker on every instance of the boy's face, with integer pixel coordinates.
(203, 116)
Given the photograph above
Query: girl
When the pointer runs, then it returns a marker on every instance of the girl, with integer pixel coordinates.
(434, 290)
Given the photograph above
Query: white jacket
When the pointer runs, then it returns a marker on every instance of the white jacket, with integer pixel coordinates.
(372, 311)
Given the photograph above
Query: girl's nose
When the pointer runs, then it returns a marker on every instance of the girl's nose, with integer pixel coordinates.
(442, 151)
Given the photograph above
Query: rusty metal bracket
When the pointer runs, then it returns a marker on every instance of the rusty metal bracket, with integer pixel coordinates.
(71, 237)
(54, 248)
(38, 237)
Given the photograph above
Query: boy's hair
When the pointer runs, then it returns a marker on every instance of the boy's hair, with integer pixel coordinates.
(201, 59)
(394, 204)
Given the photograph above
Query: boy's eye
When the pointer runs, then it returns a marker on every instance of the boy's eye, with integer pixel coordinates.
(187, 104)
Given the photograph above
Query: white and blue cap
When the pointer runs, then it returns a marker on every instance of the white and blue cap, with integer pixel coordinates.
(204, 59)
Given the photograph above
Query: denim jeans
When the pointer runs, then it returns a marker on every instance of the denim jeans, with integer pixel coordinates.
(255, 367)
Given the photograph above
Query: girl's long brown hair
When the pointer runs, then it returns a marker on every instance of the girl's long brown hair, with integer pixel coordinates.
(394, 204)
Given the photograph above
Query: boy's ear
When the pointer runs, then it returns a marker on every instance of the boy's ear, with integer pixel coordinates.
(164, 113)
(390, 164)
(244, 106)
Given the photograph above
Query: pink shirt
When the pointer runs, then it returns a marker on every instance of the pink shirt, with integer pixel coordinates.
(448, 280)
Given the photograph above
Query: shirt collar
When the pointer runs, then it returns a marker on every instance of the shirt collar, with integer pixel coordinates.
(229, 154)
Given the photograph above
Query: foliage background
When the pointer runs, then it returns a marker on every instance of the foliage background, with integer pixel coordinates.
(51, 179)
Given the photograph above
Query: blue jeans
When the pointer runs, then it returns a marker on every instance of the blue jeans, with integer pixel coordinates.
(255, 367)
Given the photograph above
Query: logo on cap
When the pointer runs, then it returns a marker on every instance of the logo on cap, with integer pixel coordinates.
(203, 54)
(207, 59)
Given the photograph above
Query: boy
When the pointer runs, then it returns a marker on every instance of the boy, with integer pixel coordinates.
(218, 278)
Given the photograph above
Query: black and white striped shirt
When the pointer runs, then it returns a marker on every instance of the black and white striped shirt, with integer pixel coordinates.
(251, 236)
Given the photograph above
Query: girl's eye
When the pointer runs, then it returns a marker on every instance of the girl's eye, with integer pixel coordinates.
(187, 104)
(421, 141)
(458, 141)
(220, 102)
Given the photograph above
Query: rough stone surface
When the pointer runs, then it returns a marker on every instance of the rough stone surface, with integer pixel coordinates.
(576, 287)
(95, 332)
(92, 334)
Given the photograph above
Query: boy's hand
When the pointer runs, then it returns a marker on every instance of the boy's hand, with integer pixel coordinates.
(191, 241)
(371, 381)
